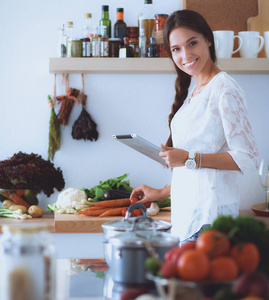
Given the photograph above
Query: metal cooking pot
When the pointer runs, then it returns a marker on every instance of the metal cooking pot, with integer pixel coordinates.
(130, 250)
(117, 227)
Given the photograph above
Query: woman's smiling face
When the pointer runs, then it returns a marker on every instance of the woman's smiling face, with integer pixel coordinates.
(190, 50)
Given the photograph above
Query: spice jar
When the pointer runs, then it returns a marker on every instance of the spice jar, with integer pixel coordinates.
(159, 22)
(132, 34)
(114, 46)
(76, 48)
(27, 259)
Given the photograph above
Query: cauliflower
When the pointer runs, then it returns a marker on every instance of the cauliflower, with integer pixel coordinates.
(69, 199)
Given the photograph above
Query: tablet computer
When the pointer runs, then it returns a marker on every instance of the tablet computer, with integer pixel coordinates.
(141, 145)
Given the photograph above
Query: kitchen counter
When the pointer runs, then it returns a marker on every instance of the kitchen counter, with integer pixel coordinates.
(64, 223)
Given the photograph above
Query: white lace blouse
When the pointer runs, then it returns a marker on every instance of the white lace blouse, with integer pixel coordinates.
(214, 121)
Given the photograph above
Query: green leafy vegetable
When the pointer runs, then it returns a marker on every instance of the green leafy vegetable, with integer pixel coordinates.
(246, 229)
(97, 192)
(52, 207)
(164, 203)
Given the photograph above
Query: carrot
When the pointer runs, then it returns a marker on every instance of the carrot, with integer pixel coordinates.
(112, 212)
(90, 212)
(16, 198)
(96, 212)
(112, 203)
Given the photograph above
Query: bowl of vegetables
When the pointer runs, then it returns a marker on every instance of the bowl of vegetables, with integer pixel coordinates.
(229, 260)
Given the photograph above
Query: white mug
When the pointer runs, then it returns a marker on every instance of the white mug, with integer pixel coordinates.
(224, 43)
(252, 43)
(266, 43)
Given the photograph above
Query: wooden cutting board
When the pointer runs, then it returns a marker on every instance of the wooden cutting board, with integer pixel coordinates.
(69, 223)
(225, 14)
(261, 21)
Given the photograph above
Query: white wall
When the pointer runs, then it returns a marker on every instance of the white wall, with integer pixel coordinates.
(118, 103)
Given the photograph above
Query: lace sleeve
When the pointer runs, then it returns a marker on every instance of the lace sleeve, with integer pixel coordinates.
(237, 129)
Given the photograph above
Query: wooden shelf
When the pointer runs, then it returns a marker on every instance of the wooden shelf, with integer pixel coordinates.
(149, 65)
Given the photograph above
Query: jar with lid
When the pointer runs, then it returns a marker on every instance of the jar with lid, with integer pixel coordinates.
(27, 257)
(132, 34)
(76, 48)
(104, 49)
(126, 50)
(114, 46)
(159, 22)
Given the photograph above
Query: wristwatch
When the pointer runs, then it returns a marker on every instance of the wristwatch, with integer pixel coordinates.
(190, 162)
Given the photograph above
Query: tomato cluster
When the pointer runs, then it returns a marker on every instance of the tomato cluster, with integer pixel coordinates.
(137, 212)
(210, 257)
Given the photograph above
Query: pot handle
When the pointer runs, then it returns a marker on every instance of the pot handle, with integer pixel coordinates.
(134, 206)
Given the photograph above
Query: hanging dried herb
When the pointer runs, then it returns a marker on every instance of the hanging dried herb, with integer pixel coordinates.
(67, 103)
(54, 132)
(84, 127)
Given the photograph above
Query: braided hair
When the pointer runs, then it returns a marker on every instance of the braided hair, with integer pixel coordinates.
(194, 21)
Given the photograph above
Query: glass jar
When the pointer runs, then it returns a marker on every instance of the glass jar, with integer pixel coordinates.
(114, 46)
(104, 52)
(96, 45)
(76, 48)
(159, 22)
(27, 259)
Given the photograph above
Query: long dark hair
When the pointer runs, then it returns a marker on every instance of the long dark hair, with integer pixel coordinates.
(194, 21)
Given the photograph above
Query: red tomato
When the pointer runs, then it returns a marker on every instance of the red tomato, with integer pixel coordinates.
(168, 269)
(20, 192)
(133, 200)
(213, 243)
(147, 204)
(123, 212)
(174, 254)
(137, 212)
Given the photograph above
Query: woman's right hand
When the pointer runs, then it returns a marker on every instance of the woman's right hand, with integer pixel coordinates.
(145, 194)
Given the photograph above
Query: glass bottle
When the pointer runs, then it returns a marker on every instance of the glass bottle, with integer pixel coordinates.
(142, 43)
(61, 49)
(126, 50)
(69, 37)
(120, 28)
(159, 23)
(87, 28)
(27, 257)
(146, 21)
(152, 50)
(105, 23)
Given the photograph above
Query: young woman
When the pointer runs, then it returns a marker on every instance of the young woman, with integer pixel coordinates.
(211, 142)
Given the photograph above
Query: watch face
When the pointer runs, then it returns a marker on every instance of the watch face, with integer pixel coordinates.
(190, 164)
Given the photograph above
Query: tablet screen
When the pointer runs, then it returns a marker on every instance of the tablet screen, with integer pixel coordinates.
(141, 145)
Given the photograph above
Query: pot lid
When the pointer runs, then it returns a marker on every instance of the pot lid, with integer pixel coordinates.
(140, 224)
(138, 239)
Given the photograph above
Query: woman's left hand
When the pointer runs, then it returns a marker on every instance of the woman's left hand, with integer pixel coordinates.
(173, 156)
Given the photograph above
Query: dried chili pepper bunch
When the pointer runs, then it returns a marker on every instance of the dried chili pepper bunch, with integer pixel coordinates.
(30, 171)
(84, 127)
(67, 103)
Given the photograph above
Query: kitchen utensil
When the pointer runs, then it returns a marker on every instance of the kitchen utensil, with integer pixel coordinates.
(224, 43)
(117, 227)
(252, 43)
(131, 249)
(260, 22)
(224, 14)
